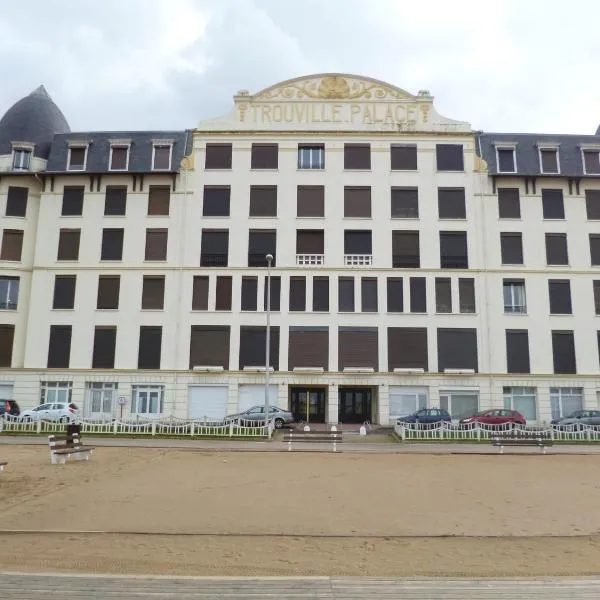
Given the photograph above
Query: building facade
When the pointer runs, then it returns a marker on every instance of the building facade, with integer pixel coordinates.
(416, 262)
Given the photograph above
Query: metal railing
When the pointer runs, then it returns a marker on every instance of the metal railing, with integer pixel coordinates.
(310, 260)
(358, 260)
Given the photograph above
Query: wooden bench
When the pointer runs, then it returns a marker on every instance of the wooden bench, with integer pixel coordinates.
(62, 447)
(2, 465)
(525, 438)
(319, 437)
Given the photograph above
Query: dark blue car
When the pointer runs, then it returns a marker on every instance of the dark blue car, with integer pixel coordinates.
(427, 416)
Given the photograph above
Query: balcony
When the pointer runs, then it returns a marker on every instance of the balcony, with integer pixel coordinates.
(358, 260)
(406, 261)
(310, 260)
(213, 260)
(259, 259)
(515, 309)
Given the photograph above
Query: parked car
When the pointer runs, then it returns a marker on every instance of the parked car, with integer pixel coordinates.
(579, 417)
(427, 416)
(496, 417)
(57, 411)
(257, 413)
(9, 407)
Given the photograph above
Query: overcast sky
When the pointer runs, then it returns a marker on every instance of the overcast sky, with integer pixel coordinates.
(507, 65)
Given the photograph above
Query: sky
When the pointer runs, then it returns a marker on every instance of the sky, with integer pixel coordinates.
(506, 66)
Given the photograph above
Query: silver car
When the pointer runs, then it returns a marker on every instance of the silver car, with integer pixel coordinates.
(52, 411)
(580, 417)
(255, 414)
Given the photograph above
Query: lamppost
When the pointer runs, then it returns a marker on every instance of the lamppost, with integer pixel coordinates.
(269, 258)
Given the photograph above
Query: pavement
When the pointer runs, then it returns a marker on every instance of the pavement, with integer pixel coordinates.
(15, 586)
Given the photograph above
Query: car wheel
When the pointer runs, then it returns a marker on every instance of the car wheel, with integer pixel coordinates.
(278, 423)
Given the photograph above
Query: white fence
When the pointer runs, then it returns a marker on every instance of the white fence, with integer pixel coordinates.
(480, 432)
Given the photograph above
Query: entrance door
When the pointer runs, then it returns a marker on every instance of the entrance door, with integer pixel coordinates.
(314, 397)
(355, 405)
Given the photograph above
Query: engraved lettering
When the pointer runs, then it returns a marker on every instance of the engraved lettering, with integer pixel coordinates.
(266, 114)
(335, 113)
(354, 110)
(367, 116)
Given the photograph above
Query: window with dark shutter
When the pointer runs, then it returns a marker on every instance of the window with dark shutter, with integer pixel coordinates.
(218, 156)
(418, 295)
(559, 292)
(310, 201)
(556, 249)
(357, 242)
(153, 292)
(403, 157)
(592, 204)
(249, 293)
(72, 202)
(253, 341)
(449, 157)
(357, 156)
(264, 156)
(310, 241)
(308, 347)
(214, 248)
(563, 352)
(156, 244)
(216, 201)
(7, 336)
(320, 294)
(443, 295)
(12, 245)
(118, 158)
(509, 203)
(466, 295)
(358, 347)
(407, 348)
(451, 203)
(200, 293)
(395, 294)
(68, 244)
(457, 349)
(59, 347)
(77, 157)
(263, 200)
(223, 293)
(346, 294)
(511, 248)
(453, 250)
(405, 203)
(596, 288)
(115, 200)
(109, 287)
(357, 201)
(517, 351)
(105, 340)
(297, 294)
(162, 157)
(112, 244)
(549, 160)
(16, 201)
(595, 249)
(275, 293)
(159, 200)
(553, 206)
(591, 162)
(506, 160)
(261, 243)
(368, 293)
(150, 345)
(209, 346)
(64, 292)
(405, 250)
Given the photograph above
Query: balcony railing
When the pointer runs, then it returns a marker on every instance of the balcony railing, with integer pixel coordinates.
(358, 260)
(406, 261)
(259, 259)
(310, 260)
(518, 309)
(213, 260)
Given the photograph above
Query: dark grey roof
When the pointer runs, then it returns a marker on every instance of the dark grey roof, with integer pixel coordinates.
(33, 119)
(140, 157)
(528, 163)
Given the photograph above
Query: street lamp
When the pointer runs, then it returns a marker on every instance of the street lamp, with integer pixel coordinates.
(269, 258)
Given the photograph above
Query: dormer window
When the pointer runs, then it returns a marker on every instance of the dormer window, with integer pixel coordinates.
(549, 163)
(591, 161)
(161, 156)
(21, 159)
(505, 159)
(119, 156)
(77, 158)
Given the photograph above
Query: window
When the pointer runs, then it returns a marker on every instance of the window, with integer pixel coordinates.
(100, 399)
(119, 158)
(21, 159)
(556, 249)
(592, 204)
(297, 294)
(9, 292)
(453, 250)
(249, 293)
(591, 162)
(449, 157)
(553, 206)
(509, 203)
(109, 287)
(159, 199)
(357, 242)
(451, 203)
(156, 244)
(595, 249)
(357, 157)
(200, 293)
(358, 347)
(214, 248)
(275, 294)
(153, 292)
(261, 243)
(549, 160)
(466, 295)
(357, 202)
(403, 157)
(517, 351)
(263, 200)
(7, 336)
(565, 401)
(559, 292)
(112, 244)
(346, 294)
(147, 399)
(253, 341)
(64, 292)
(218, 156)
(115, 201)
(77, 158)
(457, 349)
(150, 343)
(12, 245)
(264, 156)
(223, 293)
(311, 157)
(68, 244)
(308, 347)
(521, 399)
(395, 294)
(103, 354)
(161, 157)
(407, 348)
(443, 295)
(596, 287)
(72, 202)
(506, 160)
(52, 392)
(563, 352)
(368, 294)
(59, 347)
(209, 346)
(216, 200)
(405, 203)
(418, 295)
(310, 201)
(16, 201)
(320, 294)
(405, 401)
(514, 296)
(511, 248)
(310, 243)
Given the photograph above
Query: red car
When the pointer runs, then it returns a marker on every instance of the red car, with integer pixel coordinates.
(496, 417)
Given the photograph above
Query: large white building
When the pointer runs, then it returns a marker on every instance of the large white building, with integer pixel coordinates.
(416, 262)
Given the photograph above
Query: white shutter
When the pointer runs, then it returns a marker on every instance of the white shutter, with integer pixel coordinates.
(6, 391)
(207, 401)
(251, 395)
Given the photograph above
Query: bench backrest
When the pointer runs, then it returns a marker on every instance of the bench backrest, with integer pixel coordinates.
(64, 441)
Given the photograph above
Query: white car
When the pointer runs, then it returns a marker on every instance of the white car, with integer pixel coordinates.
(57, 411)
